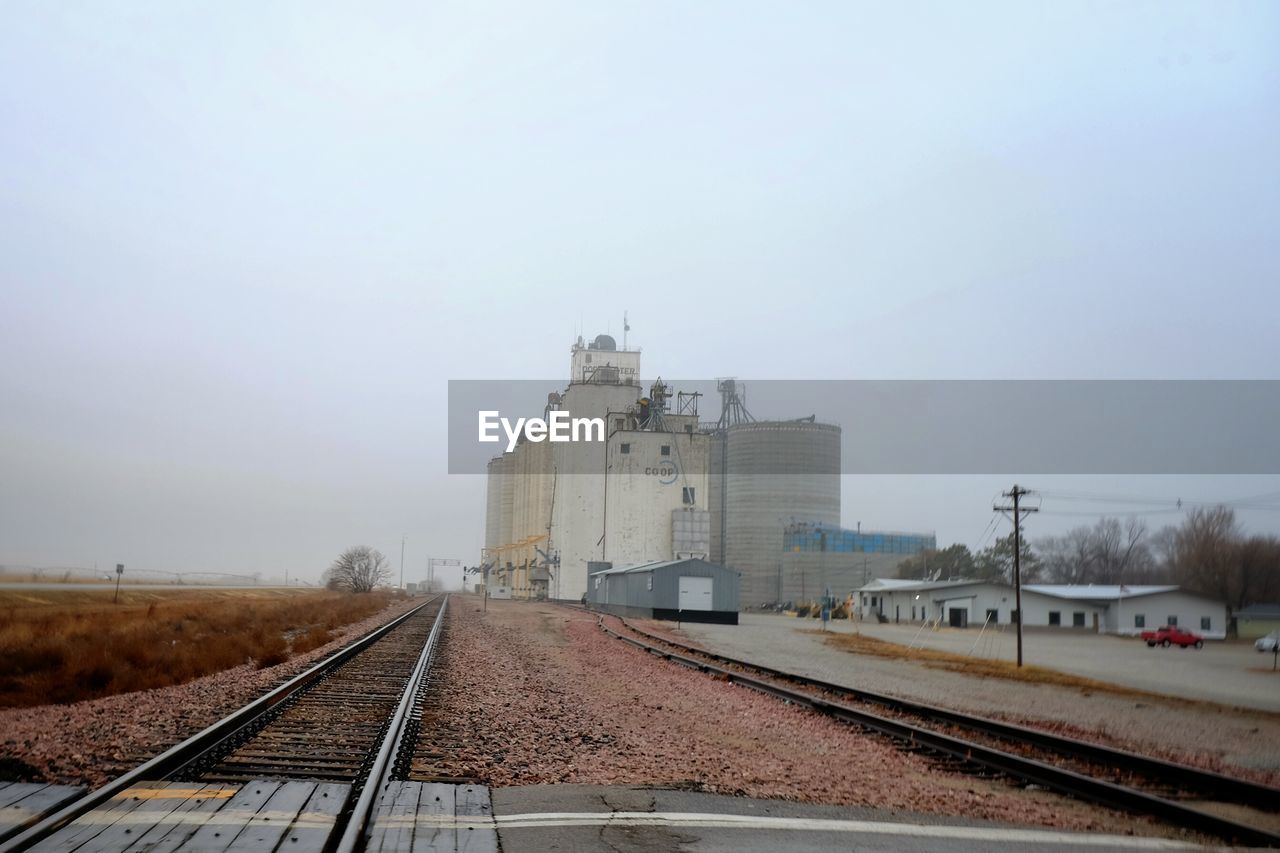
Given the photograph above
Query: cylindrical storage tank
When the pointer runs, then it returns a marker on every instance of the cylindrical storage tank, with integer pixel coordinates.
(493, 505)
(518, 471)
(506, 516)
(539, 489)
(766, 475)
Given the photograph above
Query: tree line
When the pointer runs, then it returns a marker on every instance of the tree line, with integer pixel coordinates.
(1208, 553)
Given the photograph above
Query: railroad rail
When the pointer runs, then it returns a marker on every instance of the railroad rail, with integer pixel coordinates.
(1088, 784)
(342, 720)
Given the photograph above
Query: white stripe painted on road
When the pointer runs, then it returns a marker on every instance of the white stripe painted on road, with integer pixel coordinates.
(794, 824)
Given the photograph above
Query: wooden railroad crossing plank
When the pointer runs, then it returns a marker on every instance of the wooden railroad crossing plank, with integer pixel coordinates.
(154, 809)
(473, 802)
(265, 829)
(437, 800)
(200, 801)
(22, 803)
(419, 817)
(222, 826)
(392, 825)
(90, 825)
(11, 792)
(315, 823)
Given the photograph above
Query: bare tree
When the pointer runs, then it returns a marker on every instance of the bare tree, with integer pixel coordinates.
(1205, 554)
(1108, 552)
(1067, 558)
(1119, 551)
(1259, 558)
(357, 569)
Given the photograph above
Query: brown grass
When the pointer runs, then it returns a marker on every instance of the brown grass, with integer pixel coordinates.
(981, 667)
(65, 646)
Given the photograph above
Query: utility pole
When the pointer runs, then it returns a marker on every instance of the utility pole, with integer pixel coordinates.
(402, 538)
(1016, 494)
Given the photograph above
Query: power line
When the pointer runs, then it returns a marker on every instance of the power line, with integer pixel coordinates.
(1268, 500)
(1102, 513)
(988, 532)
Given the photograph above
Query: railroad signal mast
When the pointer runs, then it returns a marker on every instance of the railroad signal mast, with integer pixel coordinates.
(1016, 494)
(432, 562)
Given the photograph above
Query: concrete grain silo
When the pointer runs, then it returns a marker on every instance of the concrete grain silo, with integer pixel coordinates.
(764, 475)
(493, 507)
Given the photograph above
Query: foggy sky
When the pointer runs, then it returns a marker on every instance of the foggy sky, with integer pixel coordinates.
(244, 246)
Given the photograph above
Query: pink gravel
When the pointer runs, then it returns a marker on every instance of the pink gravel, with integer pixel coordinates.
(89, 743)
(1199, 734)
(531, 694)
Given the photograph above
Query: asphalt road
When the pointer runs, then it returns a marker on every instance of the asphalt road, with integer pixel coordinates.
(640, 820)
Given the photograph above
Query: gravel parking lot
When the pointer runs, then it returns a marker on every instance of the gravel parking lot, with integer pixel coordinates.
(1230, 673)
(1208, 734)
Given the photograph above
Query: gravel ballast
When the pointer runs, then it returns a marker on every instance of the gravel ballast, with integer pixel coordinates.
(527, 694)
(1237, 741)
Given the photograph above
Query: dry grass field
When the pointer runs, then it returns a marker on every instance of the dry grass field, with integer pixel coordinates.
(65, 645)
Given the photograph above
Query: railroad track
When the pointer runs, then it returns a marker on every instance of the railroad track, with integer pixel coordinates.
(345, 720)
(1107, 776)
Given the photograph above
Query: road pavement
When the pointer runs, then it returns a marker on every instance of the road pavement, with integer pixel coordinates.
(643, 820)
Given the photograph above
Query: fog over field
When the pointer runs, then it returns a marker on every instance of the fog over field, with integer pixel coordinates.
(244, 247)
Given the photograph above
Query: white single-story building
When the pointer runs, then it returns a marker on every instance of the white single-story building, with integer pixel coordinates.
(1107, 609)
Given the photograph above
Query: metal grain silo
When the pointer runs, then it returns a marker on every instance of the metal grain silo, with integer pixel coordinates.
(764, 475)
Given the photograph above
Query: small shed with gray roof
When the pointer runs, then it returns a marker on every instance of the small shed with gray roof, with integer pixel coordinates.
(1258, 620)
(689, 590)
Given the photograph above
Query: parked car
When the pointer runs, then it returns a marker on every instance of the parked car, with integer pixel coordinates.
(1268, 643)
(1170, 635)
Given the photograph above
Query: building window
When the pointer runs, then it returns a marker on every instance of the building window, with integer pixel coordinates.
(588, 358)
(1139, 620)
(1055, 618)
(688, 428)
(626, 448)
(618, 424)
(1172, 622)
(688, 496)
(913, 613)
(1205, 621)
(873, 601)
(665, 450)
(1077, 619)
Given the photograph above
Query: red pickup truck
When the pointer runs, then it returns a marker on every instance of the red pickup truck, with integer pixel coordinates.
(1167, 635)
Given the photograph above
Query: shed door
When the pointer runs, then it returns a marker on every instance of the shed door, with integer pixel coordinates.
(695, 593)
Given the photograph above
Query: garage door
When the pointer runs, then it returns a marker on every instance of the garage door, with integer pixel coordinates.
(695, 593)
